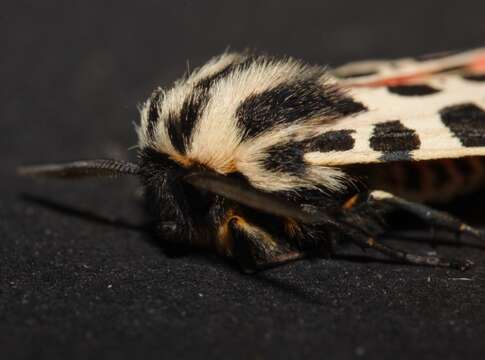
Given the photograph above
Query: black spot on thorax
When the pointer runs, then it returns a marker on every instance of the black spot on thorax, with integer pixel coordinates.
(286, 157)
(181, 126)
(289, 157)
(291, 103)
(153, 114)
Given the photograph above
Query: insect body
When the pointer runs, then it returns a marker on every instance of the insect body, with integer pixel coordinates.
(253, 156)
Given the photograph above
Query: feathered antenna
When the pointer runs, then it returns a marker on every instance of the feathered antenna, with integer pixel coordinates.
(81, 169)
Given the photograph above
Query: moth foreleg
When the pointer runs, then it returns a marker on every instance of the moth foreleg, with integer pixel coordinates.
(432, 217)
(255, 249)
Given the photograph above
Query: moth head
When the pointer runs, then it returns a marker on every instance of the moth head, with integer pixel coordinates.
(178, 195)
(257, 108)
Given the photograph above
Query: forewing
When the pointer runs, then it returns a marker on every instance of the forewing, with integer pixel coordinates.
(388, 72)
(414, 116)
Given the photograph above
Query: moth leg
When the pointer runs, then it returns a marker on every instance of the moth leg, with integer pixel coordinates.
(255, 249)
(410, 258)
(429, 215)
(363, 235)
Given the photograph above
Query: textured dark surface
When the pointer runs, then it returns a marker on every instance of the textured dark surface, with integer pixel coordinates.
(72, 286)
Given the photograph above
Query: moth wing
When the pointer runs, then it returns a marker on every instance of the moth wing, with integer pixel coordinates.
(387, 72)
(420, 116)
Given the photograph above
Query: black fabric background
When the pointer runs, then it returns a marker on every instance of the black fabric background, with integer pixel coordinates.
(74, 286)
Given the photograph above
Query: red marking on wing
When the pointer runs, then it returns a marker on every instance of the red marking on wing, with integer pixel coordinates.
(475, 65)
(478, 65)
(398, 80)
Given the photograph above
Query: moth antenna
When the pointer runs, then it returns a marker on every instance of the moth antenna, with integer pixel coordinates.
(237, 190)
(81, 169)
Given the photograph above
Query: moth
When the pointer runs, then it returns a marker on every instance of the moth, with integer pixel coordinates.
(266, 160)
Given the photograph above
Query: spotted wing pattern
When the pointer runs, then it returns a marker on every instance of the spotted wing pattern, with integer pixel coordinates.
(418, 109)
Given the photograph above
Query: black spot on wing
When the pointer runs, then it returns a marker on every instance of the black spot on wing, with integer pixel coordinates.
(466, 122)
(394, 140)
(476, 77)
(337, 140)
(412, 90)
(153, 114)
(396, 156)
(291, 103)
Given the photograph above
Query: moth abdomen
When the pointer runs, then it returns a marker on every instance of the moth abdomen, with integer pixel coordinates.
(439, 180)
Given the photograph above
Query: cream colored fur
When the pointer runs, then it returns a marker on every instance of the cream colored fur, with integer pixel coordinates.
(217, 141)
